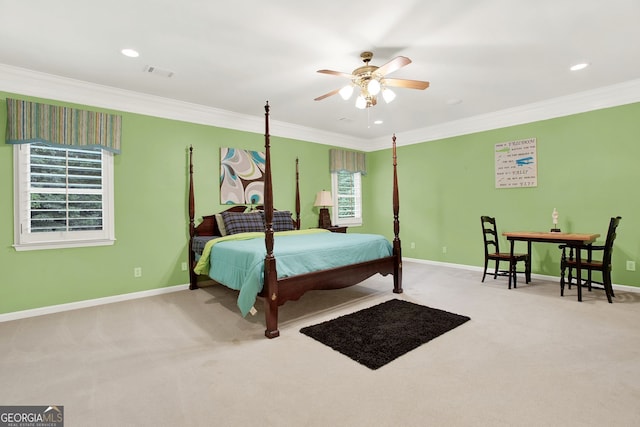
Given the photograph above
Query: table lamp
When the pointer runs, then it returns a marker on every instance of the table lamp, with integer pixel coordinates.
(324, 200)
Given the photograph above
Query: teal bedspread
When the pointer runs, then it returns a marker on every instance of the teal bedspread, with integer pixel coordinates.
(238, 261)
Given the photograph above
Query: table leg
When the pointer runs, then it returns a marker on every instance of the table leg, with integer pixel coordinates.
(512, 266)
(528, 263)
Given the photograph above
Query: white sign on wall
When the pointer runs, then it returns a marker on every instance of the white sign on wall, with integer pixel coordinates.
(516, 164)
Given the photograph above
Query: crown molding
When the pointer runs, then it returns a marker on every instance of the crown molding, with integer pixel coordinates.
(33, 83)
(596, 99)
(42, 85)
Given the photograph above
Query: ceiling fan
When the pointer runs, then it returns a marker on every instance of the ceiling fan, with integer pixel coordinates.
(372, 80)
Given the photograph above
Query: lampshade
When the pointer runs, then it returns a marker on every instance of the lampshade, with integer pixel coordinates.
(361, 103)
(323, 198)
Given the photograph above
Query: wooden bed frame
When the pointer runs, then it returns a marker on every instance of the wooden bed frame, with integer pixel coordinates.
(276, 292)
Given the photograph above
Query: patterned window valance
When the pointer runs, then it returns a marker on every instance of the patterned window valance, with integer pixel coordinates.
(33, 122)
(350, 161)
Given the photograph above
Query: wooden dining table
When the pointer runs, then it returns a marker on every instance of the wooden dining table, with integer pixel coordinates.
(575, 240)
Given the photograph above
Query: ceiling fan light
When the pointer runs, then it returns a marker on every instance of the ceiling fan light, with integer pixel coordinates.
(373, 87)
(361, 103)
(346, 92)
(388, 95)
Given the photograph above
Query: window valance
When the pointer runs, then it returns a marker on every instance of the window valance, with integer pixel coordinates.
(29, 122)
(349, 161)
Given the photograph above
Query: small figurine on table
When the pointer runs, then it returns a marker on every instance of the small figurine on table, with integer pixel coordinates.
(554, 217)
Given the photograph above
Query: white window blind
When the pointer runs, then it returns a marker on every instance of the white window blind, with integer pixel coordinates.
(347, 196)
(64, 197)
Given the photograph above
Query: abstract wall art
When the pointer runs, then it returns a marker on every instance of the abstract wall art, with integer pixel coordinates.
(241, 176)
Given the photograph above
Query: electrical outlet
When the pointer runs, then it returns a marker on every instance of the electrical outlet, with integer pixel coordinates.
(444, 249)
(413, 245)
(631, 265)
(137, 272)
(184, 266)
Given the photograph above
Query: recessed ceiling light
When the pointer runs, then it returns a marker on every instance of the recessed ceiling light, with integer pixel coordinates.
(454, 101)
(131, 53)
(580, 66)
(378, 122)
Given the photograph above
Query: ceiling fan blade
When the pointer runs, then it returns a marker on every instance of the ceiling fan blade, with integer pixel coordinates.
(393, 65)
(336, 73)
(326, 95)
(410, 84)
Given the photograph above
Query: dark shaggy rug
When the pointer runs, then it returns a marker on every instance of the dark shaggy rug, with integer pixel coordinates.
(377, 335)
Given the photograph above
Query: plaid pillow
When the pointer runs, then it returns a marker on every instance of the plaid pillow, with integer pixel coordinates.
(282, 221)
(239, 222)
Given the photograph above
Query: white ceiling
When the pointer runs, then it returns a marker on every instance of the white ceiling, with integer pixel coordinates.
(493, 55)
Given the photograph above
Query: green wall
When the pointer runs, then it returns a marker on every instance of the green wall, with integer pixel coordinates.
(151, 191)
(587, 166)
(586, 169)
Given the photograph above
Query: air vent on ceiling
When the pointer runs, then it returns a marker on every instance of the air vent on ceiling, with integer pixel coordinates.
(150, 69)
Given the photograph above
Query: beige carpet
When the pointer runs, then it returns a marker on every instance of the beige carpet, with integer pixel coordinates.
(527, 357)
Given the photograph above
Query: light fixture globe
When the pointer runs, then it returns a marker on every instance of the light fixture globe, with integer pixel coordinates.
(346, 92)
(388, 95)
(361, 102)
(373, 87)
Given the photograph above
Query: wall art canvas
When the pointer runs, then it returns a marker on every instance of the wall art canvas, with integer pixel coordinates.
(241, 176)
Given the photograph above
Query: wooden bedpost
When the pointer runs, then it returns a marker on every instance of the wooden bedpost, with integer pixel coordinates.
(193, 279)
(270, 274)
(397, 250)
(297, 224)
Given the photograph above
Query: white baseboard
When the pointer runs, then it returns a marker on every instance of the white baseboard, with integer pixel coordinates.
(625, 288)
(6, 317)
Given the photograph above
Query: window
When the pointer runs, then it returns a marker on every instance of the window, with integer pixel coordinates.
(63, 197)
(347, 198)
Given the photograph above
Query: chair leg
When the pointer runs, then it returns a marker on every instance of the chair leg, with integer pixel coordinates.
(606, 280)
(527, 270)
(486, 264)
(563, 269)
(512, 274)
(495, 272)
(610, 285)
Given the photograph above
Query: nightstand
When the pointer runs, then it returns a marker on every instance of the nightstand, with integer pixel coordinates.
(337, 229)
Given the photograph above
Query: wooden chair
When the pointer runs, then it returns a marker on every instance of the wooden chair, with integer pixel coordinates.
(492, 252)
(591, 265)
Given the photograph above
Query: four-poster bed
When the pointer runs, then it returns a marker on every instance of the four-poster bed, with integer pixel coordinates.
(301, 267)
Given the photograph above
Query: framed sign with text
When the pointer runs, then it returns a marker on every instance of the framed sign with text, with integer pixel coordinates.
(516, 164)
